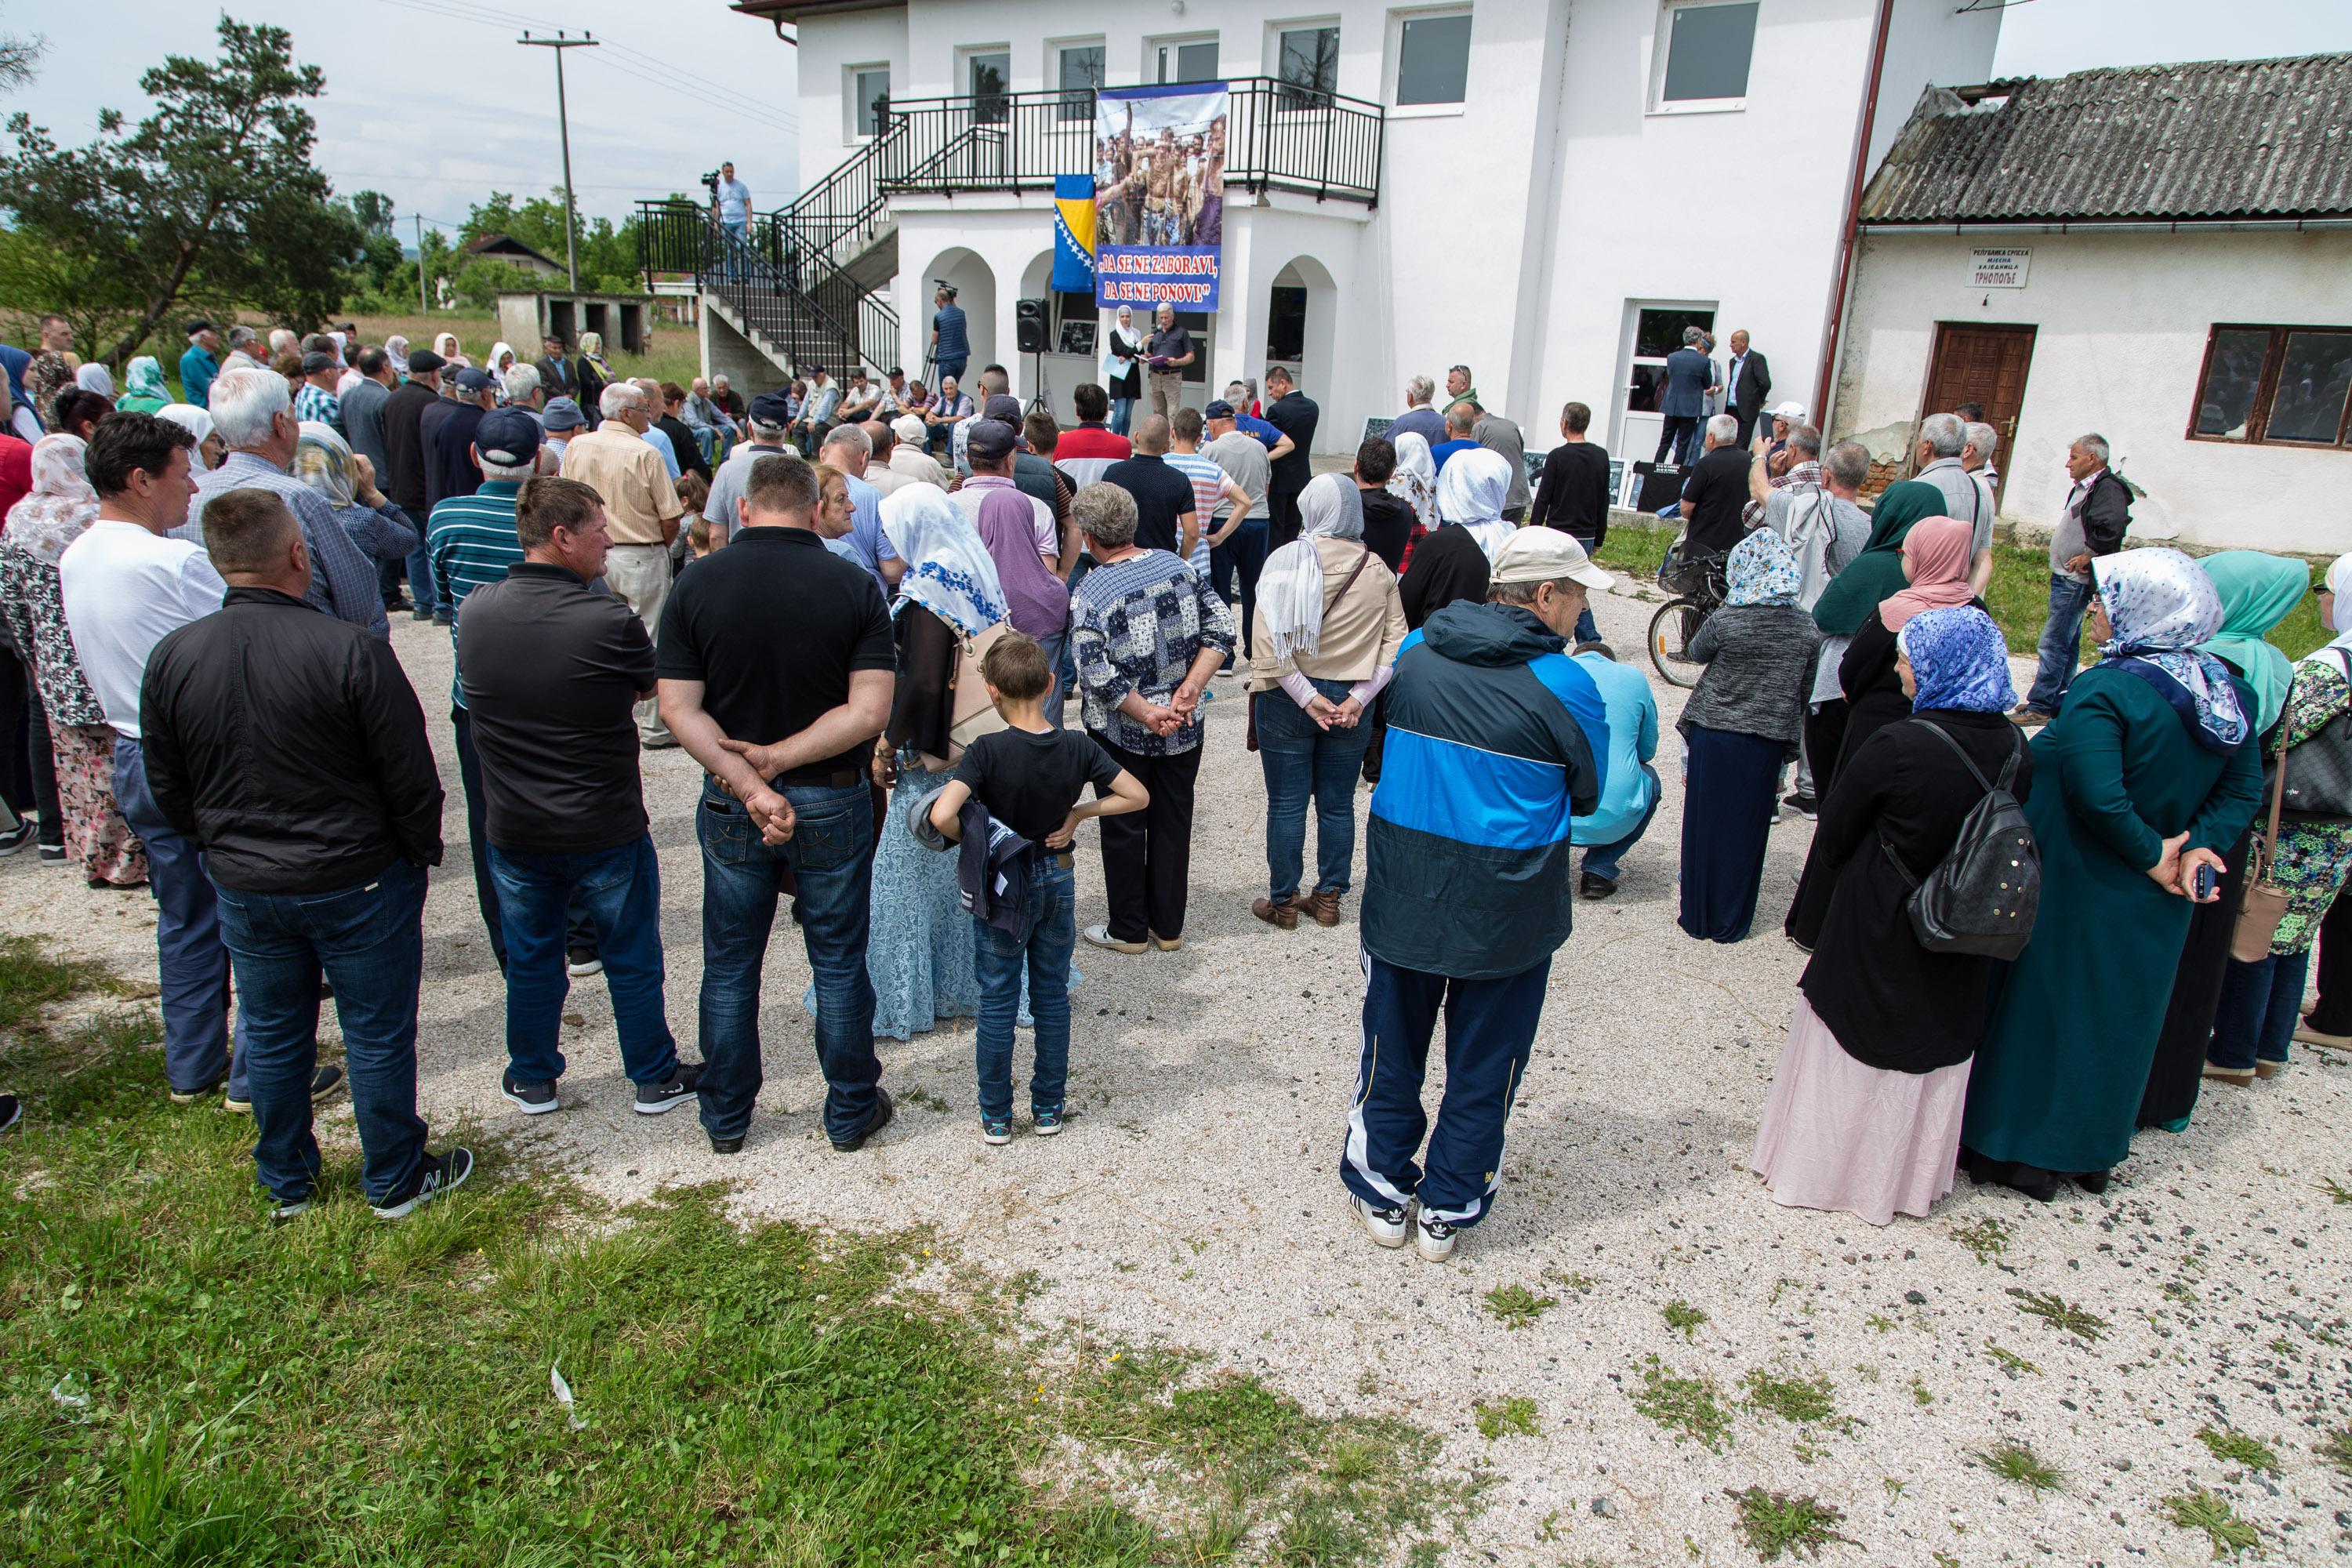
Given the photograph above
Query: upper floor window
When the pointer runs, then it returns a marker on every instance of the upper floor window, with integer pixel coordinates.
(1079, 72)
(1178, 62)
(2278, 385)
(1432, 59)
(1707, 46)
(1307, 63)
(869, 97)
(991, 73)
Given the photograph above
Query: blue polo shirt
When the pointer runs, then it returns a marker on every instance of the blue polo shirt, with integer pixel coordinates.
(472, 542)
(1626, 788)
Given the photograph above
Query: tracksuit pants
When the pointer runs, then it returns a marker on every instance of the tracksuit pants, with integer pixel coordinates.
(1490, 1028)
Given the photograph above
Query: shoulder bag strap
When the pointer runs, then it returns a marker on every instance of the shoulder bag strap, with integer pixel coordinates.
(1974, 772)
(1361, 562)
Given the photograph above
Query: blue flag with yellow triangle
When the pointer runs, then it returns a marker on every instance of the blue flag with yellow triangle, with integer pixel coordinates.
(1073, 234)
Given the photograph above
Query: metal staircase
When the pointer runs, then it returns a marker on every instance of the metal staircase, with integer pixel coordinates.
(778, 286)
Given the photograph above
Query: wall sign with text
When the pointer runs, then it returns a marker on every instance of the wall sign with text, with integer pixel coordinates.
(1998, 269)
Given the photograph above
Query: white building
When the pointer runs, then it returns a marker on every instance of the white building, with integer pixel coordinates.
(1547, 191)
(2161, 255)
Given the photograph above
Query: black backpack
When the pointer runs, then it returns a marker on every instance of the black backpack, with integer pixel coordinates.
(1981, 899)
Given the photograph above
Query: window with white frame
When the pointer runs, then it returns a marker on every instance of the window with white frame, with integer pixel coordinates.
(1432, 59)
(869, 99)
(989, 73)
(1306, 63)
(1183, 59)
(1705, 47)
(1077, 74)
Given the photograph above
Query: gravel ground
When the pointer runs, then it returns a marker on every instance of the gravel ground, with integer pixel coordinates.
(1194, 1201)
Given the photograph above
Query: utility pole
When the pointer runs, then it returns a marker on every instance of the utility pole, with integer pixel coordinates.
(559, 43)
(423, 304)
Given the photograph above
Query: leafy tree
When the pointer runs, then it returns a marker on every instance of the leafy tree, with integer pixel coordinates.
(481, 281)
(374, 211)
(212, 201)
(18, 56)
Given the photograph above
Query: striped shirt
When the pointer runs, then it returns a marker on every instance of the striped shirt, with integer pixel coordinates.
(1208, 489)
(472, 542)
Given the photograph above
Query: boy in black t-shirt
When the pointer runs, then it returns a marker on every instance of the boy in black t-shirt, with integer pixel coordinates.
(1030, 776)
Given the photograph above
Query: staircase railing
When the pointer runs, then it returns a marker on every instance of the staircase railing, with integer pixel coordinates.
(840, 216)
(810, 310)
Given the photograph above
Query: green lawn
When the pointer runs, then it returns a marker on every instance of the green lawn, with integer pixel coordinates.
(181, 1383)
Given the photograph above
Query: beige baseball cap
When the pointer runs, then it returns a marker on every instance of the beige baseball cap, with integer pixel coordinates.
(1545, 555)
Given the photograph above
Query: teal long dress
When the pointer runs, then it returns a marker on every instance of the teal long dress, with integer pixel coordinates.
(2057, 1082)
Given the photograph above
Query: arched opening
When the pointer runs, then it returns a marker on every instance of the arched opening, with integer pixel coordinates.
(975, 288)
(1302, 310)
(1067, 357)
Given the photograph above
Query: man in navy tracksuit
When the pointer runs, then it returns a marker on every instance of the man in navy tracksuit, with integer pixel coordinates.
(1495, 739)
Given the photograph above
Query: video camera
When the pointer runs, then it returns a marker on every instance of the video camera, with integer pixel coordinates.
(711, 184)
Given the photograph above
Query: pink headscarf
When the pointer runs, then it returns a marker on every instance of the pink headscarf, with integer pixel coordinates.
(1038, 602)
(1938, 552)
(61, 503)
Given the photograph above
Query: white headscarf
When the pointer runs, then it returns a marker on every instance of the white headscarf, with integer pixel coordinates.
(948, 571)
(1415, 479)
(1290, 589)
(196, 422)
(1470, 491)
(95, 377)
(492, 364)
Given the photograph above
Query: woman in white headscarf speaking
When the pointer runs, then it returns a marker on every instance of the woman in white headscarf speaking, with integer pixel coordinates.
(1470, 493)
(1327, 627)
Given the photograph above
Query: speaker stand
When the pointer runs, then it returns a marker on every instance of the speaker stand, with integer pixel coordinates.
(1042, 400)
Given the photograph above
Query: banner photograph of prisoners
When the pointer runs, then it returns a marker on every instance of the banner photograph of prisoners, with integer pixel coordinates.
(1159, 194)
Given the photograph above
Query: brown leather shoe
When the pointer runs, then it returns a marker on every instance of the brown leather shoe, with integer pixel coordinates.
(1325, 907)
(1283, 916)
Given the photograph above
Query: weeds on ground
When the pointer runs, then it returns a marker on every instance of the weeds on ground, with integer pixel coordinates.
(2334, 1189)
(1684, 1318)
(1518, 1306)
(1512, 1418)
(1807, 1402)
(2017, 1462)
(1988, 1238)
(1775, 1523)
(2209, 1511)
(2335, 1448)
(2053, 1310)
(2238, 1449)
(2011, 1362)
(1685, 1406)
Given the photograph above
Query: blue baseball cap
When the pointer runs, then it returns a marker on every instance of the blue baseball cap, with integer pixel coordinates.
(474, 380)
(773, 409)
(506, 437)
(562, 413)
(1219, 409)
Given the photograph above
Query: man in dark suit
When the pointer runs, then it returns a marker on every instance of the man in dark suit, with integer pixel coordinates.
(1290, 413)
(557, 377)
(1689, 374)
(1749, 378)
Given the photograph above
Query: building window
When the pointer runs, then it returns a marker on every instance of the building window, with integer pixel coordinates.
(1079, 74)
(1707, 46)
(2278, 386)
(1185, 62)
(1433, 59)
(992, 87)
(1656, 334)
(1307, 63)
(869, 92)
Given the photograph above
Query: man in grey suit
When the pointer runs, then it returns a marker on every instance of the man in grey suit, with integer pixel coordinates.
(1689, 374)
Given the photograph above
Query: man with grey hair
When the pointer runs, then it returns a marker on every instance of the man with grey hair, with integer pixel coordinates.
(1419, 418)
(1147, 635)
(1683, 402)
(2096, 516)
(1715, 496)
(1976, 459)
(1942, 439)
(254, 414)
(243, 344)
(642, 513)
(522, 389)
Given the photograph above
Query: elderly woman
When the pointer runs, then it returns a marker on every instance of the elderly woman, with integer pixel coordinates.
(1740, 726)
(2148, 772)
(1470, 493)
(1865, 1113)
(60, 507)
(198, 422)
(1123, 369)
(1325, 643)
(1415, 482)
(325, 461)
(595, 376)
(143, 388)
(2260, 1002)
(446, 345)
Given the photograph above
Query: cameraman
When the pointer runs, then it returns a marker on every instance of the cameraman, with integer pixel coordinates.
(730, 201)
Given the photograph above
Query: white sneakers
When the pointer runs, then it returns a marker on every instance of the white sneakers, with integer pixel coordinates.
(1388, 1226)
(1433, 1237)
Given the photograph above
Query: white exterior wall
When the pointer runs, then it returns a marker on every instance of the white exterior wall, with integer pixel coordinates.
(2121, 323)
(829, 47)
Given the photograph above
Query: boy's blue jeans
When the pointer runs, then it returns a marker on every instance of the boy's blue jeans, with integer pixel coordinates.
(998, 959)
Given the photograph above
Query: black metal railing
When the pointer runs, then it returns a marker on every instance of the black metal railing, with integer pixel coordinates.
(1278, 136)
(837, 218)
(807, 309)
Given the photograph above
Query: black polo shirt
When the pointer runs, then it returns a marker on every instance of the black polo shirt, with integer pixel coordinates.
(1162, 495)
(550, 671)
(1717, 491)
(773, 626)
(1174, 343)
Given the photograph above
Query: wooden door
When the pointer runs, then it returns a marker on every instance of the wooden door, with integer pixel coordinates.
(1973, 364)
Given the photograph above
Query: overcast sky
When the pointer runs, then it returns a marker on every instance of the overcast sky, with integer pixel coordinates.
(432, 102)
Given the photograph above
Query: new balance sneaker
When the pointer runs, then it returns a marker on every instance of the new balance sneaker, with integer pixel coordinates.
(1046, 1122)
(996, 1129)
(441, 1175)
(653, 1098)
(1388, 1226)
(535, 1096)
(582, 964)
(1433, 1239)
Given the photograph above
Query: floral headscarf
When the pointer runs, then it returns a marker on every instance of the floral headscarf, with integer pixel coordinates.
(61, 504)
(322, 461)
(1761, 571)
(1958, 661)
(948, 571)
(143, 377)
(2160, 606)
(1415, 479)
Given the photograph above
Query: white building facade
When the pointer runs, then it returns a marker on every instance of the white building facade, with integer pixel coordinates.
(1549, 193)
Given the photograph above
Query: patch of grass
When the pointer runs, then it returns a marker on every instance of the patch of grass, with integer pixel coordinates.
(1775, 1523)
(1515, 1416)
(1988, 1238)
(2334, 1189)
(1518, 1306)
(1636, 551)
(2337, 1448)
(2017, 1462)
(1805, 1401)
(30, 980)
(1683, 1318)
(1919, 1394)
(1689, 1407)
(2011, 1362)
(2053, 1310)
(2238, 1449)
(2209, 1511)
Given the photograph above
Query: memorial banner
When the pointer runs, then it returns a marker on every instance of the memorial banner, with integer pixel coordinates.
(1159, 194)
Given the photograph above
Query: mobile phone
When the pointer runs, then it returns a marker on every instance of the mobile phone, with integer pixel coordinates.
(2208, 883)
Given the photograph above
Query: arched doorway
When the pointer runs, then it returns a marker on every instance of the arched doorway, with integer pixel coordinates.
(1302, 312)
(976, 287)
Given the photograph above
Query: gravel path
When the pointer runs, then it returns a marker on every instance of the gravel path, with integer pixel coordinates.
(1194, 1201)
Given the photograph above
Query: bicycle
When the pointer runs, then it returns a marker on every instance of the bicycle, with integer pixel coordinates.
(1699, 589)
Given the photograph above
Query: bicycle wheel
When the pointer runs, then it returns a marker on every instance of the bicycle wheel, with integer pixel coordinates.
(1671, 630)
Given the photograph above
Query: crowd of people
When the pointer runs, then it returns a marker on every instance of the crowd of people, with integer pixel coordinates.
(914, 650)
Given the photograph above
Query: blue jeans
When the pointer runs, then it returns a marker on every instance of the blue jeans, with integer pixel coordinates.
(1056, 650)
(2262, 1003)
(1600, 859)
(950, 367)
(1490, 1028)
(2061, 651)
(192, 965)
(1122, 413)
(370, 941)
(622, 890)
(421, 590)
(1300, 759)
(831, 854)
(1234, 569)
(582, 931)
(999, 960)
